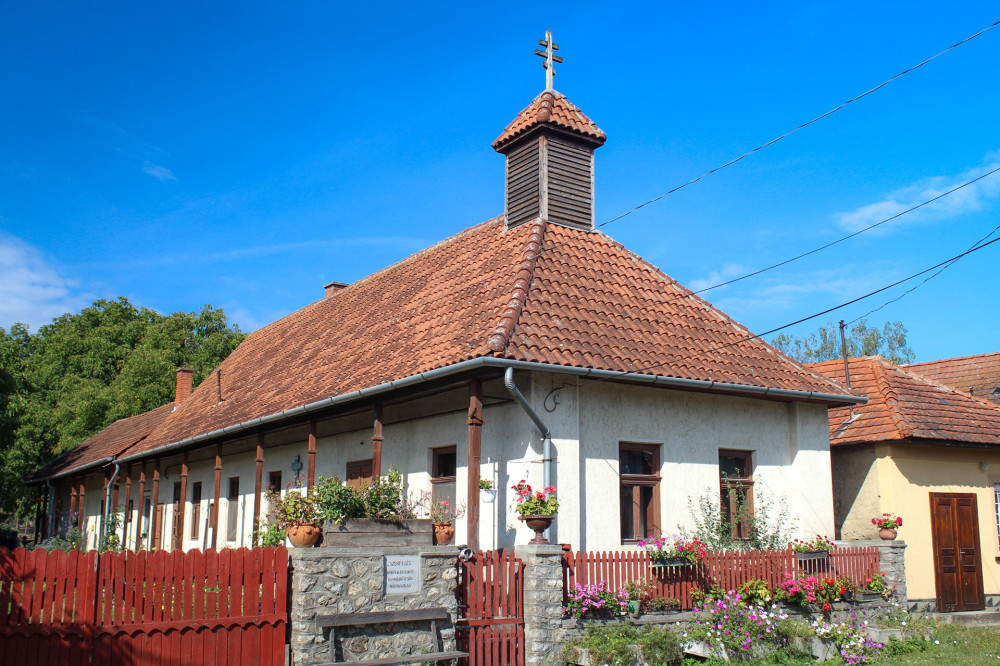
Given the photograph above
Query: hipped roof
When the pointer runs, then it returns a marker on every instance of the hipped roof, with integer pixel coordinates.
(904, 406)
(540, 293)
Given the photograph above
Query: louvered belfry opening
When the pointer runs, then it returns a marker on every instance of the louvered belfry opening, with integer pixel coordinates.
(550, 163)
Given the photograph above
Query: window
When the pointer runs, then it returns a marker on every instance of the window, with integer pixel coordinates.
(195, 509)
(736, 490)
(444, 464)
(232, 508)
(639, 470)
(996, 507)
(175, 535)
(274, 482)
(359, 474)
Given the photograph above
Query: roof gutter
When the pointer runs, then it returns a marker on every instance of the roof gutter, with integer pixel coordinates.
(72, 472)
(492, 362)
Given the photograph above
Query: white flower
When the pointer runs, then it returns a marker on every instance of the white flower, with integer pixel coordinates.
(937, 642)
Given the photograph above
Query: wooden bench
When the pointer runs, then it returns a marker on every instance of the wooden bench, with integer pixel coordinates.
(434, 614)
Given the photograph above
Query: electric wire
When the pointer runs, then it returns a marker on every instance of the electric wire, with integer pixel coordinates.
(839, 240)
(925, 280)
(756, 336)
(802, 126)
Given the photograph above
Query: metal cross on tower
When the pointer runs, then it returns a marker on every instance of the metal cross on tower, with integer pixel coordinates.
(550, 58)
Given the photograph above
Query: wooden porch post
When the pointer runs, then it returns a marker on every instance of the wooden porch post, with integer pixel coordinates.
(258, 482)
(311, 473)
(126, 523)
(475, 423)
(154, 537)
(142, 501)
(182, 506)
(218, 489)
(72, 504)
(38, 516)
(377, 444)
(81, 496)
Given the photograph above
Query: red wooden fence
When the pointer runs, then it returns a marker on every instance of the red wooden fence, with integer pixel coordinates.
(725, 569)
(163, 608)
(490, 604)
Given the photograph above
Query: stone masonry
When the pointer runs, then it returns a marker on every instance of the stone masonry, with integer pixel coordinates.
(543, 599)
(892, 562)
(327, 581)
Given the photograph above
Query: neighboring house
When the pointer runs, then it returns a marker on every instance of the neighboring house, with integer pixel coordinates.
(530, 346)
(931, 455)
(977, 375)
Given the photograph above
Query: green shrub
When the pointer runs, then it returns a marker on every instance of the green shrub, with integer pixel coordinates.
(617, 645)
(336, 501)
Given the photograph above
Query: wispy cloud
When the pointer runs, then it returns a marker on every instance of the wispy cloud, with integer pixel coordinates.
(34, 291)
(159, 172)
(972, 198)
(728, 272)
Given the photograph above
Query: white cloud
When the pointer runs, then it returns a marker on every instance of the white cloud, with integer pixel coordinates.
(159, 172)
(32, 290)
(971, 198)
(728, 272)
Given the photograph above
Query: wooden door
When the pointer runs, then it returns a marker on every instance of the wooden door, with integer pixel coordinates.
(957, 565)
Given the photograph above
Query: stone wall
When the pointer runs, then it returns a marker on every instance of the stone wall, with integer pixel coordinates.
(327, 581)
(892, 561)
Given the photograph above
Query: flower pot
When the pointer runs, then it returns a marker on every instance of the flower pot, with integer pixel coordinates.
(816, 557)
(367, 533)
(443, 533)
(671, 562)
(487, 495)
(633, 608)
(539, 524)
(303, 536)
(887, 534)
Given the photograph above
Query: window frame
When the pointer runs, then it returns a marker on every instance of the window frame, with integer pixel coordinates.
(195, 511)
(438, 482)
(745, 484)
(637, 482)
(233, 510)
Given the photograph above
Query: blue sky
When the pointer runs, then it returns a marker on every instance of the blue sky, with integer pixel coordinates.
(244, 154)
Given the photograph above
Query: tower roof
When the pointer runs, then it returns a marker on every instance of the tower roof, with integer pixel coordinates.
(550, 109)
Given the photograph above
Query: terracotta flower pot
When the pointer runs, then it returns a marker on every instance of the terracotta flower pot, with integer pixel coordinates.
(887, 534)
(539, 524)
(443, 533)
(303, 536)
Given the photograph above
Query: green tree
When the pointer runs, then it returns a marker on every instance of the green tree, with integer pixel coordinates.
(824, 345)
(85, 370)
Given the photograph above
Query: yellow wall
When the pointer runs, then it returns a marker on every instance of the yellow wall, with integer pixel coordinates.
(904, 476)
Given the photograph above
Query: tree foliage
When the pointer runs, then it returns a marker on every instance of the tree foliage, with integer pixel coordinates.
(824, 345)
(83, 371)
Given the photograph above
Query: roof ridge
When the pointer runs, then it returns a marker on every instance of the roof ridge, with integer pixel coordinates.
(953, 358)
(891, 398)
(500, 337)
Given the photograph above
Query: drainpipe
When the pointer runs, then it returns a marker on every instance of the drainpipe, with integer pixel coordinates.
(508, 381)
(107, 506)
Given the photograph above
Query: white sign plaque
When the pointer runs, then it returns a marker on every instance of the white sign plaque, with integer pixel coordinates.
(402, 574)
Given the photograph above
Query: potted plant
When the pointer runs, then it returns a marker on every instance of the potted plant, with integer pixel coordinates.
(536, 509)
(296, 514)
(487, 493)
(442, 514)
(815, 550)
(874, 589)
(887, 525)
(374, 516)
(638, 592)
(673, 551)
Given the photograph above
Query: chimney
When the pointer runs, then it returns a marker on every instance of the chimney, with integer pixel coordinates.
(183, 390)
(550, 148)
(331, 288)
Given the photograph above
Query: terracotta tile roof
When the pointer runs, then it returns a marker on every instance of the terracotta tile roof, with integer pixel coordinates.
(550, 108)
(112, 441)
(902, 405)
(539, 292)
(977, 375)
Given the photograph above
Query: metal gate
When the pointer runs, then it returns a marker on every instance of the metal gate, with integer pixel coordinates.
(490, 604)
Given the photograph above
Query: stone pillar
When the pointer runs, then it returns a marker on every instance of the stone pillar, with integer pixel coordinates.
(892, 561)
(543, 600)
(327, 581)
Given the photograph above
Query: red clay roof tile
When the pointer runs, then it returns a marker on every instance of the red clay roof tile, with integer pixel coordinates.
(551, 108)
(977, 375)
(902, 405)
(588, 303)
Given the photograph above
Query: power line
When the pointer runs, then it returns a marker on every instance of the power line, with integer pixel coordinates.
(802, 126)
(975, 246)
(946, 262)
(841, 240)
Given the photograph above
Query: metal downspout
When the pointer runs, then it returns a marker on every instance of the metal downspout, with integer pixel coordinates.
(508, 382)
(102, 537)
